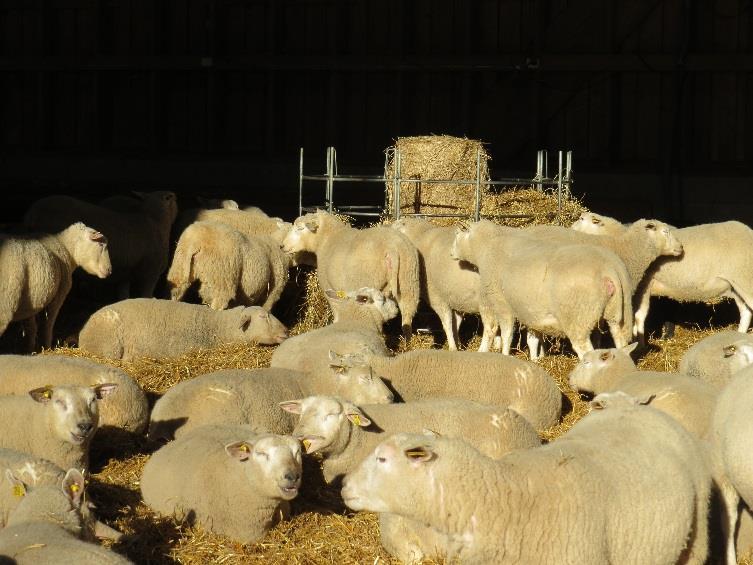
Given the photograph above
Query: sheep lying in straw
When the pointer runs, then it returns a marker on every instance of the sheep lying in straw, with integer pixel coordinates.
(349, 258)
(562, 291)
(226, 478)
(148, 327)
(47, 524)
(532, 505)
(38, 274)
(717, 357)
(237, 396)
(229, 266)
(138, 240)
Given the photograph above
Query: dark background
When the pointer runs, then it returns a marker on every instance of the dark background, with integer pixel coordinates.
(654, 97)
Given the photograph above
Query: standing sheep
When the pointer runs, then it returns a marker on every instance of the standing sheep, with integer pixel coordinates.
(347, 258)
(148, 327)
(237, 396)
(570, 501)
(55, 423)
(488, 378)
(138, 240)
(451, 288)
(38, 273)
(229, 266)
(226, 478)
(126, 407)
(717, 357)
(561, 291)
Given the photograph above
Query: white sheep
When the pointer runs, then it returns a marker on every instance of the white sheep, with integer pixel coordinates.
(344, 433)
(688, 400)
(55, 423)
(349, 258)
(556, 290)
(46, 526)
(359, 316)
(38, 274)
(229, 266)
(488, 378)
(717, 357)
(715, 264)
(126, 407)
(238, 396)
(226, 478)
(570, 501)
(148, 327)
(451, 288)
(138, 241)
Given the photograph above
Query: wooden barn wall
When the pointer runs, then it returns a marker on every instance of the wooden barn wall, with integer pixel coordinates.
(202, 93)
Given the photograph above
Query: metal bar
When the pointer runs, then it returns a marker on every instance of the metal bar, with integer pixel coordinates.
(539, 167)
(330, 174)
(300, 184)
(477, 211)
(569, 167)
(397, 183)
(559, 186)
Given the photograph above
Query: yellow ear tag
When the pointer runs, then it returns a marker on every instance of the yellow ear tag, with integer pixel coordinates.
(74, 487)
(47, 393)
(243, 448)
(306, 444)
(341, 294)
(356, 419)
(19, 490)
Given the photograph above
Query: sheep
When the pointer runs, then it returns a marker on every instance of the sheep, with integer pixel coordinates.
(138, 240)
(46, 526)
(688, 400)
(38, 274)
(56, 423)
(344, 433)
(494, 379)
(595, 224)
(251, 222)
(570, 501)
(148, 327)
(359, 316)
(236, 396)
(229, 265)
(348, 258)
(126, 407)
(451, 288)
(226, 478)
(715, 264)
(558, 290)
(717, 357)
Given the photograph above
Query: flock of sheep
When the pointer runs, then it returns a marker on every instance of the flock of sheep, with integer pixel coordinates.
(443, 444)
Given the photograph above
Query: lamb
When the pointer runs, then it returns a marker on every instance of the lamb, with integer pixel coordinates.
(229, 265)
(226, 478)
(234, 396)
(126, 407)
(38, 274)
(562, 291)
(715, 264)
(359, 316)
(348, 258)
(138, 241)
(570, 501)
(495, 379)
(55, 423)
(450, 287)
(688, 400)
(344, 433)
(45, 527)
(717, 357)
(148, 327)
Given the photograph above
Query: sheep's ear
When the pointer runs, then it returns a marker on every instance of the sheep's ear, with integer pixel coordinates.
(336, 294)
(94, 235)
(240, 450)
(644, 400)
(335, 359)
(104, 389)
(292, 406)
(230, 205)
(73, 486)
(419, 454)
(606, 355)
(312, 226)
(430, 433)
(597, 404)
(42, 394)
(357, 418)
(247, 315)
(651, 226)
(597, 221)
(18, 488)
(630, 348)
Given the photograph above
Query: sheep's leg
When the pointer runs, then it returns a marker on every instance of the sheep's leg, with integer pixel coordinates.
(447, 317)
(581, 345)
(490, 330)
(731, 505)
(745, 313)
(457, 321)
(641, 314)
(533, 340)
(30, 333)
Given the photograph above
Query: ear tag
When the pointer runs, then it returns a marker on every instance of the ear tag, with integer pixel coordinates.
(47, 393)
(74, 488)
(243, 448)
(19, 491)
(341, 294)
(356, 419)
(415, 453)
(306, 444)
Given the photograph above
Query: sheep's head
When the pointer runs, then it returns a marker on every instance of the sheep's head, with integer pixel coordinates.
(618, 399)
(271, 462)
(325, 423)
(355, 380)
(595, 224)
(366, 298)
(592, 373)
(461, 249)
(254, 324)
(74, 411)
(662, 236)
(304, 234)
(738, 355)
(90, 251)
(161, 203)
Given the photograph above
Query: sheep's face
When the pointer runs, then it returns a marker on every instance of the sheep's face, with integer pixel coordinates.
(461, 245)
(163, 201)
(257, 325)
(74, 412)
(364, 298)
(91, 253)
(662, 236)
(355, 380)
(617, 399)
(586, 377)
(411, 227)
(738, 355)
(325, 422)
(272, 464)
(589, 223)
(303, 235)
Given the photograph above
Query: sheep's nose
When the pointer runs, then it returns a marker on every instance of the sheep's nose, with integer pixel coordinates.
(291, 476)
(85, 427)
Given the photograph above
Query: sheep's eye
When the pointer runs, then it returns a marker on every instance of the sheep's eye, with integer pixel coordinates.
(650, 227)
(381, 459)
(60, 403)
(604, 356)
(595, 220)
(730, 350)
(339, 370)
(362, 299)
(263, 454)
